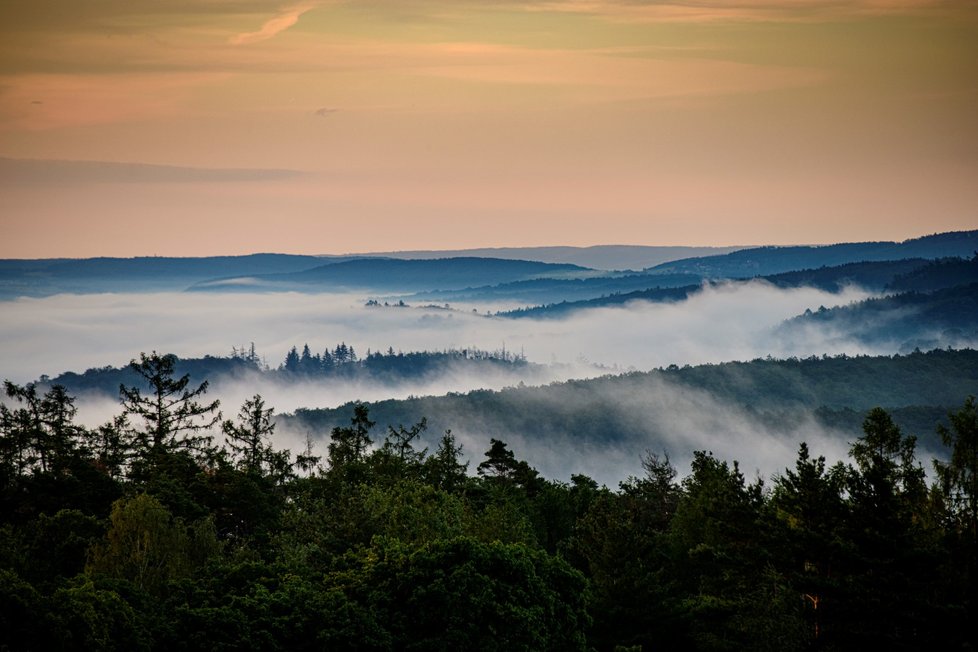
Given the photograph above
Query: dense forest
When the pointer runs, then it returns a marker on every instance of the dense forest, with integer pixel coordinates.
(918, 388)
(171, 527)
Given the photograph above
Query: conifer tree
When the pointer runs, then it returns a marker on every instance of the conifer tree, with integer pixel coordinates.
(172, 416)
(249, 439)
(349, 445)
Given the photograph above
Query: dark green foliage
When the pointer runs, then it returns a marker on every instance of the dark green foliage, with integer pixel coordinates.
(249, 441)
(959, 475)
(24, 621)
(958, 490)
(348, 446)
(445, 469)
(461, 594)
(396, 548)
(809, 514)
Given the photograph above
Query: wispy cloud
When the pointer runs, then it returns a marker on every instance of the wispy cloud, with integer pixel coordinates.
(725, 10)
(273, 26)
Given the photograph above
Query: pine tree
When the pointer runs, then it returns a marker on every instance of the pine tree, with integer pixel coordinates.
(349, 445)
(172, 417)
(249, 439)
(291, 364)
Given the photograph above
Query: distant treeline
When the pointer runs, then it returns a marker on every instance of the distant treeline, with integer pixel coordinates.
(340, 362)
(146, 534)
(343, 358)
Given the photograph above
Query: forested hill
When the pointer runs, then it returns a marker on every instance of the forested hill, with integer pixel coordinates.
(637, 407)
(552, 290)
(153, 273)
(763, 261)
(395, 275)
(943, 273)
(656, 294)
(881, 276)
(904, 321)
(876, 275)
(604, 257)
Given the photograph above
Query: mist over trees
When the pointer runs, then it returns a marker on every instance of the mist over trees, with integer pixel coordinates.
(150, 533)
(454, 522)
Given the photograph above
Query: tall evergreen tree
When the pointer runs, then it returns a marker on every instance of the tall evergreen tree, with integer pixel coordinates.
(891, 563)
(172, 416)
(349, 445)
(249, 439)
(958, 484)
(959, 475)
(444, 468)
(291, 363)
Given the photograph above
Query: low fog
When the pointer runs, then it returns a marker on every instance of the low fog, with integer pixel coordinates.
(725, 322)
(665, 420)
(721, 323)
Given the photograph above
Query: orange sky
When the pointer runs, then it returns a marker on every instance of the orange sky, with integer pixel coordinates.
(196, 127)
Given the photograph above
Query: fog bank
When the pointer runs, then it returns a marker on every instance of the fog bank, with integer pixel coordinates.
(725, 322)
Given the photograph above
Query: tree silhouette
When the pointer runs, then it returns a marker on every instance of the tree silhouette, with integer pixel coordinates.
(171, 413)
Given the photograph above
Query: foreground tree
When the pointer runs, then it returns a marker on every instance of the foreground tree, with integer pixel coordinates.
(348, 446)
(890, 567)
(959, 475)
(958, 485)
(147, 546)
(172, 416)
(808, 513)
(250, 438)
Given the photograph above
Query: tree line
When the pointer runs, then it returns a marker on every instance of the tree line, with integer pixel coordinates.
(343, 360)
(148, 533)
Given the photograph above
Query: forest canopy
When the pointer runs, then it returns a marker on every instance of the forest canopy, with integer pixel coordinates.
(154, 532)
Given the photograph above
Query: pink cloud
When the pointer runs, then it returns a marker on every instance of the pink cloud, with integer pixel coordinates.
(273, 26)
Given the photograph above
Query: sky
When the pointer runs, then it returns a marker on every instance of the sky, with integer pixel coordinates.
(204, 127)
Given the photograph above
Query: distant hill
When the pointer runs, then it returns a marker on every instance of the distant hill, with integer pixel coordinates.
(554, 290)
(603, 257)
(880, 276)
(531, 274)
(563, 308)
(398, 275)
(53, 276)
(764, 261)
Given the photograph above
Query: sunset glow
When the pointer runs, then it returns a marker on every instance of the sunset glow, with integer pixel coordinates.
(341, 126)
